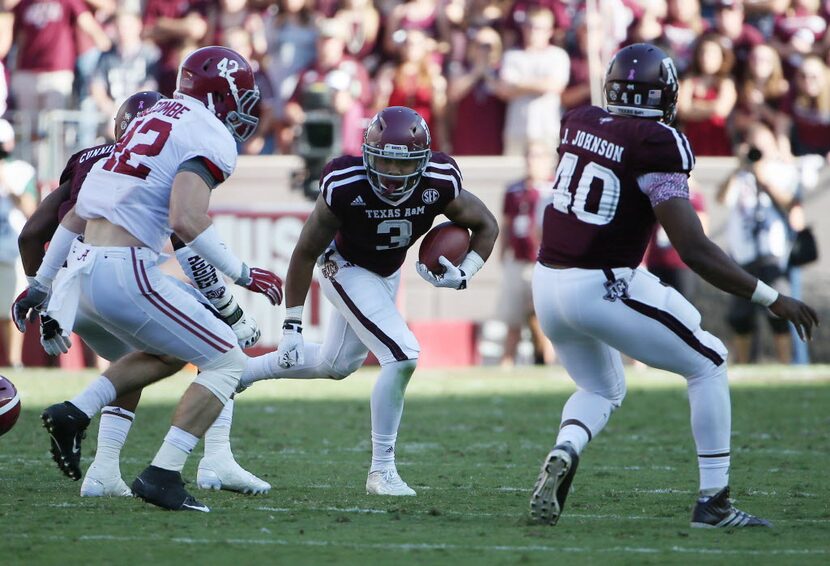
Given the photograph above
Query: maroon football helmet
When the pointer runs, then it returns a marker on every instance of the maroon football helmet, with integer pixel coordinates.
(224, 82)
(132, 107)
(396, 152)
(641, 81)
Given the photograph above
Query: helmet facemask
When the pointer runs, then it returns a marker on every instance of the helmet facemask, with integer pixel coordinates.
(242, 122)
(394, 171)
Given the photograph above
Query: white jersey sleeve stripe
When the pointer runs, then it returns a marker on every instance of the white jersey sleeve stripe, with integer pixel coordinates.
(681, 148)
(339, 172)
(329, 189)
(445, 166)
(446, 178)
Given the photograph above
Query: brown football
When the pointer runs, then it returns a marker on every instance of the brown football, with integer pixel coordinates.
(449, 240)
(9, 405)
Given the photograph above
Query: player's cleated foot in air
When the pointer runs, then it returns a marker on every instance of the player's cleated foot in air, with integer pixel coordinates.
(224, 473)
(551, 488)
(387, 482)
(104, 481)
(717, 512)
(67, 425)
(165, 489)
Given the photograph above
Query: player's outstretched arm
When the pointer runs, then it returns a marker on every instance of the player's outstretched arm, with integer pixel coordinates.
(705, 258)
(318, 232)
(189, 200)
(39, 229)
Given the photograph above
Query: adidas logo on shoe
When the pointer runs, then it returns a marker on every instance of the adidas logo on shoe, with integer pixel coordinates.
(358, 201)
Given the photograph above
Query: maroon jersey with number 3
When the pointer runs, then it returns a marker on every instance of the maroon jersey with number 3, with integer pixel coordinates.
(76, 171)
(599, 216)
(375, 233)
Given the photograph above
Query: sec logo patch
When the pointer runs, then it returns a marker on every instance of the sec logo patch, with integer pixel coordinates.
(430, 196)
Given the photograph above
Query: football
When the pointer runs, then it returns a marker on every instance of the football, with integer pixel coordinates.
(9, 405)
(449, 240)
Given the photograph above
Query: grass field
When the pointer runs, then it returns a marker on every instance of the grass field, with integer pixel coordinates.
(470, 444)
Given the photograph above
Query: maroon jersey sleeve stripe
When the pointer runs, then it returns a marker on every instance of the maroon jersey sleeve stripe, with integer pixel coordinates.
(368, 324)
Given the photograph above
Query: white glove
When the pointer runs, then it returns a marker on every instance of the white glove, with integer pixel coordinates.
(291, 351)
(54, 339)
(244, 326)
(453, 277)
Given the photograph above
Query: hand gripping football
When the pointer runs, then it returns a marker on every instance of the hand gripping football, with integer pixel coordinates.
(9, 405)
(449, 240)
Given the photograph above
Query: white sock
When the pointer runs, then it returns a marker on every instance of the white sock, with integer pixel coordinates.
(387, 408)
(711, 427)
(112, 434)
(218, 436)
(177, 446)
(96, 396)
(267, 367)
(583, 417)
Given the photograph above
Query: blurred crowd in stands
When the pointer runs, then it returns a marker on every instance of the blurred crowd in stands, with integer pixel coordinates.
(487, 75)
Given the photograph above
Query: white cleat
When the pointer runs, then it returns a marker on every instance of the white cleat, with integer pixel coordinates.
(225, 473)
(387, 482)
(99, 482)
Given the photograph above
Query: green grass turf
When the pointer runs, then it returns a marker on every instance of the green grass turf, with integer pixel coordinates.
(470, 444)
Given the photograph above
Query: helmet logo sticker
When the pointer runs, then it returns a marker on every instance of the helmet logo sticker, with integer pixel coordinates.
(631, 74)
(671, 71)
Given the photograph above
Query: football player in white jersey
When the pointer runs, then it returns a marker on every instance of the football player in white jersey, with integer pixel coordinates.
(218, 469)
(158, 181)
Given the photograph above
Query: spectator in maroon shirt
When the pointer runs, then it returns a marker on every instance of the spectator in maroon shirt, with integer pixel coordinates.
(176, 27)
(681, 29)
(517, 18)
(760, 94)
(707, 97)
(798, 32)
(233, 15)
(740, 36)
(520, 239)
(362, 20)
(807, 109)
(473, 94)
(44, 33)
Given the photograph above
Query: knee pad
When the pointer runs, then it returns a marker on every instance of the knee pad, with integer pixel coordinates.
(221, 376)
(338, 371)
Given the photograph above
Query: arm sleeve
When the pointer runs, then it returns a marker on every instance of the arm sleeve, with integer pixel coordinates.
(204, 167)
(660, 187)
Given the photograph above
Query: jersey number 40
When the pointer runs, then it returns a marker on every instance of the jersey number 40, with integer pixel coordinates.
(594, 176)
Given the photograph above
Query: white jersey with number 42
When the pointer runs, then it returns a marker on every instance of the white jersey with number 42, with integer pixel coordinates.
(132, 188)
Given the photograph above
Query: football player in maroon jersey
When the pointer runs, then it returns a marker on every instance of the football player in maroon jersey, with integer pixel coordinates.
(621, 170)
(218, 469)
(369, 212)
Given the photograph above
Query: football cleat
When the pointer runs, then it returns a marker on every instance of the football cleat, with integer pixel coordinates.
(225, 473)
(67, 425)
(551, 488)
(387, 482)
(103, 481)
(165, 489)
(717, 512)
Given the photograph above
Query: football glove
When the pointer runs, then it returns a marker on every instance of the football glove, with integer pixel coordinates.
(262, 281)
(54, 339)
(291, 351)
(452, 278)
(244, 326)
(31, 299)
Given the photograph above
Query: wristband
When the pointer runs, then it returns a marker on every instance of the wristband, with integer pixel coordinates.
(294, 313)
(471, 264)
(215, 252)
(764, 294)
(55, 256)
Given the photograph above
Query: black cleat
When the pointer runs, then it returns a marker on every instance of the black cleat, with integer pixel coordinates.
(165, 489)
(66, 424)
(551, 489)
(717, 512)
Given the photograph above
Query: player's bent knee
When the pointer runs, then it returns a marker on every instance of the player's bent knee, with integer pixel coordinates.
(221, 376)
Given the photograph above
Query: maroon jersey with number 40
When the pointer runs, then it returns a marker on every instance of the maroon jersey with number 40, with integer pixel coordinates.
(76, 171)
(374, 232)
(600, 216)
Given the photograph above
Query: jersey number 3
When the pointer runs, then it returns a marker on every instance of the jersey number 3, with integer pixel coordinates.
(119, 161)
(565, 201)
